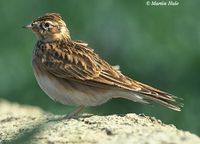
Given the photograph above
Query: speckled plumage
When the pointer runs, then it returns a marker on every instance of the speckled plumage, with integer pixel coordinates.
(71, 73)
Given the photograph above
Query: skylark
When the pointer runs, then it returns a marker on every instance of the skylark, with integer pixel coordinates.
(71, 73)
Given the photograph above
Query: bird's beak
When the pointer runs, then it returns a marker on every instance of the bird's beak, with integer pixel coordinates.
(29, 26)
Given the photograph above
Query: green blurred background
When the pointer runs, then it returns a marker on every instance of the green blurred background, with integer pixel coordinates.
(159, 46)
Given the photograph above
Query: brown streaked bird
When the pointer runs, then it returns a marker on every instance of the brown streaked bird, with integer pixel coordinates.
(71, 73)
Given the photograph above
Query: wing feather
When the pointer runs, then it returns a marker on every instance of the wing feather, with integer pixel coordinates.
(75, 60)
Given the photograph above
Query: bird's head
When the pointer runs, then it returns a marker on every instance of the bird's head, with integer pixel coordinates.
(49, 27)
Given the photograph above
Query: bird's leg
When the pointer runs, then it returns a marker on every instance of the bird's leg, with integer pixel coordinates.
(75, 112)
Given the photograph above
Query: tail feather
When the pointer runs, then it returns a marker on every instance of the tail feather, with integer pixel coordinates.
(170, 102)
(149, 93)
(167, 100)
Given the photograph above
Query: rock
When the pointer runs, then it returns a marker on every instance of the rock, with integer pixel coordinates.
(27, 124)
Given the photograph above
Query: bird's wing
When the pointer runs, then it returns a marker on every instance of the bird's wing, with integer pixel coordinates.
(74, 60)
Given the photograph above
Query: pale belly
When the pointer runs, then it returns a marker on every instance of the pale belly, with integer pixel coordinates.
(70, 93)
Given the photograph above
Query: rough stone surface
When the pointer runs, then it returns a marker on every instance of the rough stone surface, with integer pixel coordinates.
(26, 124)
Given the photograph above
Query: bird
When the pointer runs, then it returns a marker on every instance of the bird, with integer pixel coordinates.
(71, 73)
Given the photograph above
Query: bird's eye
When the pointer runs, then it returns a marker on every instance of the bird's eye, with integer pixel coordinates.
(46, 25)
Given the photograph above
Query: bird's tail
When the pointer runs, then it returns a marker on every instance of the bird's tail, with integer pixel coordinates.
(153, 95)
